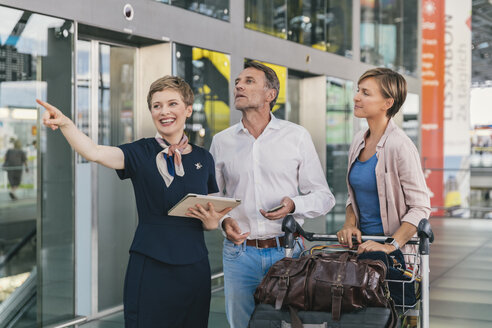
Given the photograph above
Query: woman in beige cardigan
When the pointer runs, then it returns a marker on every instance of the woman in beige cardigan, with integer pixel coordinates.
(387, 191)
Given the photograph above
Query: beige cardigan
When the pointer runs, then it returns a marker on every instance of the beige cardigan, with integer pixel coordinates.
(403, 194)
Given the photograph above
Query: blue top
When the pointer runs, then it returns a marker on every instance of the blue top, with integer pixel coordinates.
(169, 239)
(362, 178)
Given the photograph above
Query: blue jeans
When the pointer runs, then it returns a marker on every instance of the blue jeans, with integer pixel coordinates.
(244, 269)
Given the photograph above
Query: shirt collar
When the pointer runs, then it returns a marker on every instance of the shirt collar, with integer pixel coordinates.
(273, 124)
(389, 128)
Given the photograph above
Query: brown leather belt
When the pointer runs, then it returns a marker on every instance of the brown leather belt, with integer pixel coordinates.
(267, 243)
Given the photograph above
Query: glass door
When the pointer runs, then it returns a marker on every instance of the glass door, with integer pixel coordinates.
(36, 226)
(339, 127)
(105, 206)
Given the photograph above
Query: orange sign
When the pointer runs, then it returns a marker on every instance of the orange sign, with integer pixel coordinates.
(433, 98)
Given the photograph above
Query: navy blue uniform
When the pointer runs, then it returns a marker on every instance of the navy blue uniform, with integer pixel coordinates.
(167, 282)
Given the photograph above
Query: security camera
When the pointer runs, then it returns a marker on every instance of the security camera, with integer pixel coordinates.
(128, 11)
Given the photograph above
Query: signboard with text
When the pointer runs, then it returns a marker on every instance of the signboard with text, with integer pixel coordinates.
(433, 99)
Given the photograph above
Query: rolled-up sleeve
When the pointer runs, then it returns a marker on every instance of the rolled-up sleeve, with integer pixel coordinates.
(413, 185)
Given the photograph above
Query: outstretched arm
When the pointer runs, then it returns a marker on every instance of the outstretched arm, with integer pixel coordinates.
(108, 156)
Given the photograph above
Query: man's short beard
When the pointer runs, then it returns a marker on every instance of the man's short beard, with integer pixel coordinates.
(246, 108)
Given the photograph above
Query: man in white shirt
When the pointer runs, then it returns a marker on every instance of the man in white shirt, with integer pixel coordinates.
(265, 162)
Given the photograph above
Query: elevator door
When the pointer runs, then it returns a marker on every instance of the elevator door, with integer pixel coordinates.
(105, 206)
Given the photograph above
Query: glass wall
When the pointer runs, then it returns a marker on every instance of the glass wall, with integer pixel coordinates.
(339, 127)
(321, 24)
(36, 235)
(208, 73)
(267, 16)
(411, 118)
(105, 111)
(213, 8)
(116, 219)
(388, 34)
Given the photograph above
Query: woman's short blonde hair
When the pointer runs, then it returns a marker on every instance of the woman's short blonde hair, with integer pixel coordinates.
(391, 84)
(173, 83)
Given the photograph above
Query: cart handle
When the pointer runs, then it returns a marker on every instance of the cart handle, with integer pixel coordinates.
(290, 227)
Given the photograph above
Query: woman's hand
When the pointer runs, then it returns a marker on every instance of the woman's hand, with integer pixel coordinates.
(53, 117)
(346, 233)
(210, 219)
(374, 246)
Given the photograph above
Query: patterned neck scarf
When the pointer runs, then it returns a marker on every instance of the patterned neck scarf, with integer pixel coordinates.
(169, 159)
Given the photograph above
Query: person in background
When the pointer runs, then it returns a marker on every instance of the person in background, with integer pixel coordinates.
(167, 281)
(273, 167)
(15, 159)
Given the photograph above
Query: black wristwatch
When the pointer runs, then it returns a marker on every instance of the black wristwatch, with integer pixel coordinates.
(392, 241)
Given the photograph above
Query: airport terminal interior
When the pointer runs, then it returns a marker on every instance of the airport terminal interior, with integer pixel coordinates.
(65, 230)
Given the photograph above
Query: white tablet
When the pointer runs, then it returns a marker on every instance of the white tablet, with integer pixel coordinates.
(190, 200)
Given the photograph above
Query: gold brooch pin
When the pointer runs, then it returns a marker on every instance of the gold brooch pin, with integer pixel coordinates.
(198, 165)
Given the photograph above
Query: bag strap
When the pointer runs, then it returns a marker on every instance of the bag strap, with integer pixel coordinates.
(283, 286)
(337, 288)
(295, 321)
(394, 315)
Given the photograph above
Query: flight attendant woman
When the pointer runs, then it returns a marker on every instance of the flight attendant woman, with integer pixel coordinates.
(167, 281)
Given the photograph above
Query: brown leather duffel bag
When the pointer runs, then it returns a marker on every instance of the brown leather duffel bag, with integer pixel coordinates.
(335, 282)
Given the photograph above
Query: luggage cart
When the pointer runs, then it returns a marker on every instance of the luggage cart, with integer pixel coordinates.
(419, 264)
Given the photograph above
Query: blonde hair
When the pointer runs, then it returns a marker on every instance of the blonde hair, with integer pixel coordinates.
(173, 83)
(391, 84)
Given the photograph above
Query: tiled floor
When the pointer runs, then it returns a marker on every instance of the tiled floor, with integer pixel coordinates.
(460, 278)
(461, 273)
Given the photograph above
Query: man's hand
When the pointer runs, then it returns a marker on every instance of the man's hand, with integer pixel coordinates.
(288, 208)
(233, 232)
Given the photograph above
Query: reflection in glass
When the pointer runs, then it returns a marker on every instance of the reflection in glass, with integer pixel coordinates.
(306, 22)
(208, 73)
(35, 62)
(116, 219)
(115, 94)
(411, 112)
(294, 98)
(213, 8)
(82, 119)
(339, 104)
(388, 34)
(338, 22)
(321, 24)
(267, 16)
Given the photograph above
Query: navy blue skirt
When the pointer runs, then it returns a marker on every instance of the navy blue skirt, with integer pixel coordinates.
(163, 295)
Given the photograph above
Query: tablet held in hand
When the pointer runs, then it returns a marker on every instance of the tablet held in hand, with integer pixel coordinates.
(190, 200)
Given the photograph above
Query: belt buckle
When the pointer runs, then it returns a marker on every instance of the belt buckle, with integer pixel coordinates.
(256, 241)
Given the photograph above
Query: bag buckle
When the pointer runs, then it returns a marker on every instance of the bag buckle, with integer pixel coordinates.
(285, 279)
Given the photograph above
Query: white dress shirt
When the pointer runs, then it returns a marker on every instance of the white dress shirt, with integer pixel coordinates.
(281, 162)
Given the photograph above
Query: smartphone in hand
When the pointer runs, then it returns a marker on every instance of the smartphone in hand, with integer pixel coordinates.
(276, 208)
